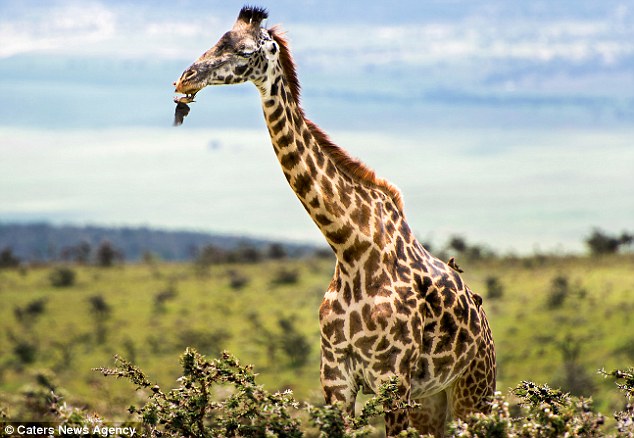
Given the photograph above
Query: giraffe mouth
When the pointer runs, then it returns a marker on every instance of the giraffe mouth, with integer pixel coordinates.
(187, 98)
(186, 86)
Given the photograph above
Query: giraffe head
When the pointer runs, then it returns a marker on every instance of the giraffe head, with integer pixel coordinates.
(242, 54)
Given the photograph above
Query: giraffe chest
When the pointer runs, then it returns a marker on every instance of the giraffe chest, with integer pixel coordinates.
(428, 336)
(371, 337)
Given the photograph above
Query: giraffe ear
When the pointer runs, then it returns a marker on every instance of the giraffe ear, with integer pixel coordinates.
(271, 50)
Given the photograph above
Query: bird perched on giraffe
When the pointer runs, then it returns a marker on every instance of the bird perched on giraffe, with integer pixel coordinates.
(392, 309)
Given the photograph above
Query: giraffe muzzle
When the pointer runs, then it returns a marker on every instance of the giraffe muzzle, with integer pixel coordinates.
(187, 83)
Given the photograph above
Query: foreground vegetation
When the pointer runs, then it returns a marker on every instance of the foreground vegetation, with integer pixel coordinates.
(555, 320)
(220, 398)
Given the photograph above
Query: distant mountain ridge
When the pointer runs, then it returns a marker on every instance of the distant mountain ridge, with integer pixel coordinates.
(44, 242)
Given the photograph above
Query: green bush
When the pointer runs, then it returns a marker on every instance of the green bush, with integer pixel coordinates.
(547, 413)
(165, 295)
(276, 251)
(625, 382)
(285, 276)
(190, 409)
(31, 311)
(601, 243)
(248, 411)
(107, 255)
(26, 351)
(294, 344)
(100, 312)
(494, 288)
(8, 259)
(62, 277)
(237, 279)
(559, 291)
(220, 398)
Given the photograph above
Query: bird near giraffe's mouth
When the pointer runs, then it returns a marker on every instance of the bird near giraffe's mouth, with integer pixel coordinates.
(189, 91)
(188, 98)
(182, 109)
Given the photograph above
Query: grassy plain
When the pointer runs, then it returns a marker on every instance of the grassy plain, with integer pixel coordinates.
(148, 313)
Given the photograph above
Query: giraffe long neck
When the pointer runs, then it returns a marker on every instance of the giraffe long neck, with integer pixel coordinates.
(352, 213)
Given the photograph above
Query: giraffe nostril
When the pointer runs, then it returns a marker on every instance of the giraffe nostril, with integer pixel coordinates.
(189, 74)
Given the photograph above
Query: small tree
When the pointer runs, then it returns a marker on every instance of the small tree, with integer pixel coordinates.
(600, 243)
(245, 253)
(79, 253)
(237, 280)
(276, 251)
(25, 350)
(262, 335)
(108, 255)
(494, 288)
(82, 252)
(323, 253)
(100, 311)
(294, 343)
(29, 313)
(575, 378)
(627, 239)
(458, 244)
(210, 255)
(559, 291)
(8, 259)
(285, 276)
(163, 296)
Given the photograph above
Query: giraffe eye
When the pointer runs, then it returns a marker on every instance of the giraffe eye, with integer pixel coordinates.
(245, 53)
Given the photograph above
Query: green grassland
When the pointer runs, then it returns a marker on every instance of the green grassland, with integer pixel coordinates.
(546, 330)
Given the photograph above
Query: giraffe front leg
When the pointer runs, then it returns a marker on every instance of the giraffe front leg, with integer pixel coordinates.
(337, 388)
(396, 422)
(337, 385)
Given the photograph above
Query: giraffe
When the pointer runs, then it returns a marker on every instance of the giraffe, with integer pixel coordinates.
(391, 309)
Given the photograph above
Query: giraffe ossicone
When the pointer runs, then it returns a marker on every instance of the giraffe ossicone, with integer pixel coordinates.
(391, 309)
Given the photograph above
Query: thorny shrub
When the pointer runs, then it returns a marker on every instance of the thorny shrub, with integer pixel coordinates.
(194, 409)
(625, 382)
(220, 398)
(549, 412)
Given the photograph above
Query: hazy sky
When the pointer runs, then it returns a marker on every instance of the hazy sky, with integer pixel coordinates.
(509, 122)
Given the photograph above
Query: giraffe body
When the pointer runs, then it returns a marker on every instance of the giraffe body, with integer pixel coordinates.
(391, 309)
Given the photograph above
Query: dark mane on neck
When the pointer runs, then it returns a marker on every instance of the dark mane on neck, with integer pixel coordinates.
(288, 65)
(351, 166)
